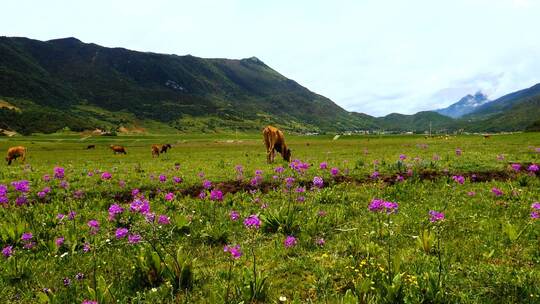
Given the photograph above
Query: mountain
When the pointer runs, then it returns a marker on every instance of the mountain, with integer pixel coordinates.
(522, 115)
(419, 122)
(505, 102)
(83, 85)
(46, 86)
(465, 105)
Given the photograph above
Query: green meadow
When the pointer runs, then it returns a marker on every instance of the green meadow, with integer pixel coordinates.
(211, 222)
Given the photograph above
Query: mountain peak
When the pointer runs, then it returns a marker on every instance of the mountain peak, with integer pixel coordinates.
(465, 105)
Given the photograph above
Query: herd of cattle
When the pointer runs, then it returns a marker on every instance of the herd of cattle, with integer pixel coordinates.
(274, 140)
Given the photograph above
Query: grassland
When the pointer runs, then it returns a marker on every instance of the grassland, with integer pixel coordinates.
(486, 250)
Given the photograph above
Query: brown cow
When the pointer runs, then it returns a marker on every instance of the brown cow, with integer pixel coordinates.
(157, 149)
(90, 147)
(274, 140)
(118, 149)
(486, 136)
(15, 152)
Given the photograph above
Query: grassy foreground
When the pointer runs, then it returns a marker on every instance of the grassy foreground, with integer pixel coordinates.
(133, 229)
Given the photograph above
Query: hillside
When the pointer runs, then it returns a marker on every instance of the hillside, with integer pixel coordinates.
(92, 83)
(419, 122)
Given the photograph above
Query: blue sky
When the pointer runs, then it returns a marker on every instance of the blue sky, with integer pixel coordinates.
(371, 56)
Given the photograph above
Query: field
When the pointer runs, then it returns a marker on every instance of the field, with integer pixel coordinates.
(360, 219)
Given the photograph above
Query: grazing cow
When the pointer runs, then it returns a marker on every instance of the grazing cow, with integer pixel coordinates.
(275, 141)
(90, 147)
(157, 149)
(15, 152)
(486, 136)
(118, 149)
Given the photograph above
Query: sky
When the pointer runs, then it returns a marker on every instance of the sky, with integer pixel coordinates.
(371, 56)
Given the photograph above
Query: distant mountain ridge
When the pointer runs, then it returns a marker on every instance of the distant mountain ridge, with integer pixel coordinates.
(64, 83)
(465, 105)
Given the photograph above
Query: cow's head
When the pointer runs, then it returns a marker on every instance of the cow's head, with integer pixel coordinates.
(287, 154)
(8, 159)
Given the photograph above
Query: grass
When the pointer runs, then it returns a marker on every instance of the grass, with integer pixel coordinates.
(487, 250)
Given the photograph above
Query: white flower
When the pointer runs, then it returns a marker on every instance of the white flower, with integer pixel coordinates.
(282, 299)
(64, 254)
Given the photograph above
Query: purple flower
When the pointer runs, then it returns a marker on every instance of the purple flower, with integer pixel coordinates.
(290, 241)
(121, 183)
(135, 192)
(320, 242)
(71, 215)
(234, 215)
(140, 205)
(134, 238)
(500, 157)
(64, 184)
(162, 178)
(216, 195)
(3, 190)
(164, 220)
(46, 177)
(86, 247)
(435, 216)
(258, 172)
(89, 302)
(177, 180)
(66, 282)
(256, 180)
(252, 221)
(533, 168)
(535, 215)
(21, 186)
(471, 193)
(239, 169)
(496, 191)
(27, 236)
(114, 210)
(375, 175)
(4, 200)
(400, 178)
(516, 167)
(90, 173)
(289, 182)
(321, 213)
(323, 165)
(121, 233)
(459, 152)
(235, 251)
(78, 194)
(300, 199)
(279, 170)
(59, 241)
(79, 276)
(318, 182)
(379, 205)
(106, 175)
(334, 171)
(7, 251)
(21, 200)
(93, 225)
(58, 172)
(202, 195)
(436, 157)
(169, 196)
(207, 184)
(459, 179)
(402, 157)
(60, 216)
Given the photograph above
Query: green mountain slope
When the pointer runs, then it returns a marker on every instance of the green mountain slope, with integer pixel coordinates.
(419, 122)
(184, 92)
